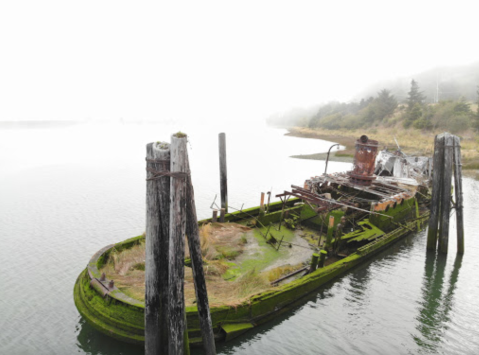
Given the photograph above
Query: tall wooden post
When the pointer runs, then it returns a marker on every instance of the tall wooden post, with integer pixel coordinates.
(458, 195)
(438, 166)
(223, 175)
(446, 192)
(269, 199)
(261, 205)
(156, 250)
(322, 258)
(176, 302)
(193, 234)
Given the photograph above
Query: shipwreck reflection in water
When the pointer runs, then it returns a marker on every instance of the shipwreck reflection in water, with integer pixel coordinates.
(435, 305)
(91, 341)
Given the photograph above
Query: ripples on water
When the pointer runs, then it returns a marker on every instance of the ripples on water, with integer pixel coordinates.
(67, 192)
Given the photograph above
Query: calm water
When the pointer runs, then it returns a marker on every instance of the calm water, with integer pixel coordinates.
(67, 191)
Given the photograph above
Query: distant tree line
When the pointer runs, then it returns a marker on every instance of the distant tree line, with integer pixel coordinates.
(335, 115)
(385, 110)
(451, 115)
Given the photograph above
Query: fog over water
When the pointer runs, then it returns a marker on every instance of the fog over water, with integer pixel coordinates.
(66, 192)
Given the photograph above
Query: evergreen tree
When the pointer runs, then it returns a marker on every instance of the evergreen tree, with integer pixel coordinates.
(414, 96)
(386, 102)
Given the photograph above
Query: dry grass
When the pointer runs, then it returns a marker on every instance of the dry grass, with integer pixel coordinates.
(280, 271)
(411, 141)
(126, 268)
(220, 243)
(228, 293)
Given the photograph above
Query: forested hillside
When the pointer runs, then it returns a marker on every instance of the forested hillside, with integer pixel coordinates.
(453, 108)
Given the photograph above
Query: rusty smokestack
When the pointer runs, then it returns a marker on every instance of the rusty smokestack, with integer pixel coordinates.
(364, 161)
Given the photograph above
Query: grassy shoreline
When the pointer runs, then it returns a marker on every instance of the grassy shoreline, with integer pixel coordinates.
(412, 142)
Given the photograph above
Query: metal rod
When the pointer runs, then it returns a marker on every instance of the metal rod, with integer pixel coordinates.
(327, 158)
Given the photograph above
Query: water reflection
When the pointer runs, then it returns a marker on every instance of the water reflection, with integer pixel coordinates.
(92, 341)
(434, 314)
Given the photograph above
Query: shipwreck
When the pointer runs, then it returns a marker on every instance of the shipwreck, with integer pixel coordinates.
(262, 261)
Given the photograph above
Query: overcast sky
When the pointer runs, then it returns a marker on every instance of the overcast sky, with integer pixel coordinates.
(215, 59)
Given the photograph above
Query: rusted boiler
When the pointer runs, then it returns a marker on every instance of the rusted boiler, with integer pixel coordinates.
(364, 161)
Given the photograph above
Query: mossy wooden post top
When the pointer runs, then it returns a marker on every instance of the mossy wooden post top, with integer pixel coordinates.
(180, 134)
(161, 145)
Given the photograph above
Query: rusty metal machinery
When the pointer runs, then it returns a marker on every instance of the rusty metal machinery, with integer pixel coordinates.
(364, 161)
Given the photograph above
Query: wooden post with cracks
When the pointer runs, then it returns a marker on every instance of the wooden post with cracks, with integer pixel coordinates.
(458, 195)
(156, 250)
(176, 301)
(446, 193)
(447, 154)
(438, 166)
(193, 234)
(223, 174)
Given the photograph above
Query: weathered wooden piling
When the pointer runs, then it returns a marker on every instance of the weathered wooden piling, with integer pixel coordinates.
(322, 258)
(222, 215)
(261, 205)
(447, 155)
(176, 302)
(314, 262)
(193, 235)
(156, 250)
(446, 193)
(223, 174)
(269, 199)
(458, 195)
(214, 219)
(438, 165)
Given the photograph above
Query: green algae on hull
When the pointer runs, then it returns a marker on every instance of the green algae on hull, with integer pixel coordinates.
(122, 317)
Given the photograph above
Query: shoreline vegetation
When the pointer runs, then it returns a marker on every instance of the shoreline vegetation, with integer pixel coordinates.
(409, 124)
(411, 142)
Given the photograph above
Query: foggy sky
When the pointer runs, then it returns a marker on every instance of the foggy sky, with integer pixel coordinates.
(210, 60)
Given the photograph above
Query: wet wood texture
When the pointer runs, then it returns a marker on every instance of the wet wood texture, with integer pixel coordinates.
(156, 250)
(176, 302)
(193, 234)
(223, 173)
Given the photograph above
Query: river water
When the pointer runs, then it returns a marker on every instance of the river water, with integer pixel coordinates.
(67, 191)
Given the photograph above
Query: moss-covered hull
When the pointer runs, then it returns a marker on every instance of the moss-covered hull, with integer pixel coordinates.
(122, 317)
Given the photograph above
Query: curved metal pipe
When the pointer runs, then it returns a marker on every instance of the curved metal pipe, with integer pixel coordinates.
(327, 158)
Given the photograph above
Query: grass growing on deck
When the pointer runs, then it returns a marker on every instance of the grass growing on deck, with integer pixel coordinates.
(225, 247)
